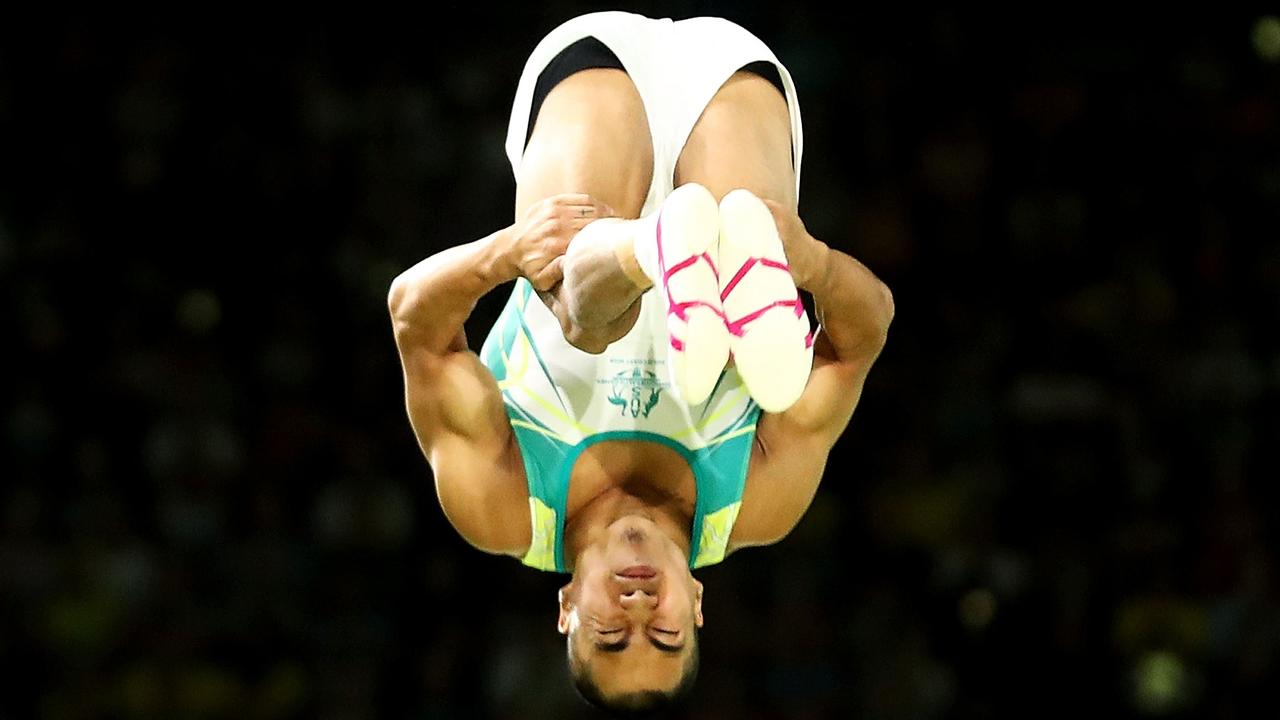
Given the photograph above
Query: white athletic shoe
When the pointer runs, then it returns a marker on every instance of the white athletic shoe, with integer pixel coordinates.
(687, 233)
(769, 329)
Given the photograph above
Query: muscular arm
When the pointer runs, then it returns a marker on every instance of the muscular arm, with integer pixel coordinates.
(453, 402)
(855, 309)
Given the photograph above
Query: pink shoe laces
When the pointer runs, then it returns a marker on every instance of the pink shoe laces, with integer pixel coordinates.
(739, 327)
(681, 309)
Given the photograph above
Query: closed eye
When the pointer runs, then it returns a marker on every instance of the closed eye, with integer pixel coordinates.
(605, 645)
(665, 646)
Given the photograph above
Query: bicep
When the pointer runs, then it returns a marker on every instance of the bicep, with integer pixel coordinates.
(483, 495)
(458, 418)
(451, 394)
(781, 484)
(791, 454)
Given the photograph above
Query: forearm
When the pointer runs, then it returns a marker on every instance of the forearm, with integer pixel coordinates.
(854, 307)
(430, 301)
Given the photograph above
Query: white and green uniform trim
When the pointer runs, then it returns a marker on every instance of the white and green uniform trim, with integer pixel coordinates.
(562, 401)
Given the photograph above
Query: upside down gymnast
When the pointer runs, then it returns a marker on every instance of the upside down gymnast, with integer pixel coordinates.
(653, 397)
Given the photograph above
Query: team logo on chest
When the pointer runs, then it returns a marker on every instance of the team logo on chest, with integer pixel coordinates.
(636, 392)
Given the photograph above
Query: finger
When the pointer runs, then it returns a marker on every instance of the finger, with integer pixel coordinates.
(570, 199)
(589, 210)
(577, 223)
(554, 205)
(544, 231)
(551, 275)
(556, 238)
(594, 209)
(559, 244)
(550, 299)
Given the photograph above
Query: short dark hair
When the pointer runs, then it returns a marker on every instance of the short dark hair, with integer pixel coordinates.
(640, 704)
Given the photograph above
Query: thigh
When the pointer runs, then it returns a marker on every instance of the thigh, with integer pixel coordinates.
(591, 135)
(739, 124)
(743, 139)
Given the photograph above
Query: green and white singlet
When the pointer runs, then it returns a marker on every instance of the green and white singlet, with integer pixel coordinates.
(562, 401)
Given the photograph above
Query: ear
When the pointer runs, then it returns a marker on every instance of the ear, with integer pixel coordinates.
(564, 622)
(697, 603)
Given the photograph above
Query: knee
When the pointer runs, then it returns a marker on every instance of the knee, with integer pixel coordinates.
(583, 307)
(575, 269)
(591, 332)
(586, 340)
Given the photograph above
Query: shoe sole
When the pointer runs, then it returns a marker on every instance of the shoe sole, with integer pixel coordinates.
(770, 338)
(688, 232)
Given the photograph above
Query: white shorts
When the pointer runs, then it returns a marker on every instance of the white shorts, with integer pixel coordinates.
(677, 67)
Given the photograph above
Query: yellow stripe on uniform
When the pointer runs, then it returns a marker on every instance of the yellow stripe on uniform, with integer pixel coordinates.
(732, 435)
(540, 430)
(517, 381)
(727, 405)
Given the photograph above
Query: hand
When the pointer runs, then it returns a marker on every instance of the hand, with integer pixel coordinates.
(538, 240)
(806, 255)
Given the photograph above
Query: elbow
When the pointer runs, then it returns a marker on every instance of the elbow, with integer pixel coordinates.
(878, 319)
(400, 301)
(886, 296)
(400, 298)
(395, 295)
(580, 308)
(886, 309)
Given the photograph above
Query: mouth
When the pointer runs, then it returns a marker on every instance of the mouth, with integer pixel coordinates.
(639, 572)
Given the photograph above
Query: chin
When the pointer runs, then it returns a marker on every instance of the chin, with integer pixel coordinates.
(634, 528)
(640, 546)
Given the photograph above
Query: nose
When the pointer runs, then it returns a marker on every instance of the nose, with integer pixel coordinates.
(638, 600)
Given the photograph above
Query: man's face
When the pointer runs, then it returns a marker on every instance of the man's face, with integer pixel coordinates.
(631, 609)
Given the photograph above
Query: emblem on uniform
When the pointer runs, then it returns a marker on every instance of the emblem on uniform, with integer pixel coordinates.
(636, 392)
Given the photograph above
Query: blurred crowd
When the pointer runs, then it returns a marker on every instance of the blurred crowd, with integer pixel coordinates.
(1055, 498)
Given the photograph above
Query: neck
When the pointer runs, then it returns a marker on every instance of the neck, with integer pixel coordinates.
(588, 525)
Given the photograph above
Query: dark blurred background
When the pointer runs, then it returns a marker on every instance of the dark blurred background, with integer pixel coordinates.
(1056, 498)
